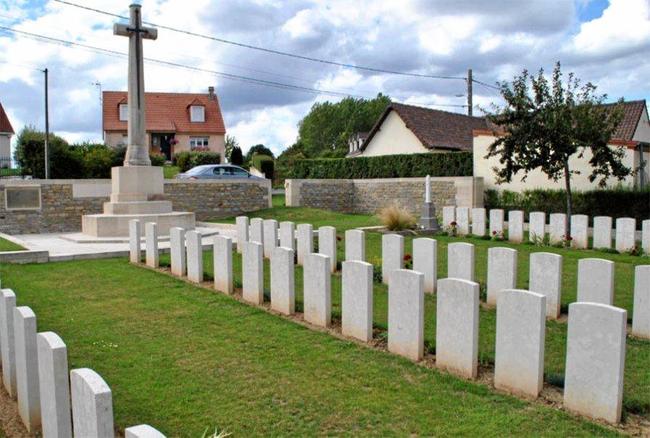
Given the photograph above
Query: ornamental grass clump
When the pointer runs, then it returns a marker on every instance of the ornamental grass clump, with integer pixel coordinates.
(395, 218)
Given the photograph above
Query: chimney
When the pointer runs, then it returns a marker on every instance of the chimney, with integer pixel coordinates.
(211, 92)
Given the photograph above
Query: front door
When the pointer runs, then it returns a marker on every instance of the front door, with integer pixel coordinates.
(163, 143)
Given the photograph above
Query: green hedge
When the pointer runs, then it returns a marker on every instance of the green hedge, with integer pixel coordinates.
(613, 202)
(388, 166)
(188, 159)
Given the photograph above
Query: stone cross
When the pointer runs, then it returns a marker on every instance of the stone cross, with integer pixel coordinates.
(427, 189)
(137, 153)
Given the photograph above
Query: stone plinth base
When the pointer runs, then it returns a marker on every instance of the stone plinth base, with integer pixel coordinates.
(428, 221)
(117, 225)
(136, 183)
(141, 207)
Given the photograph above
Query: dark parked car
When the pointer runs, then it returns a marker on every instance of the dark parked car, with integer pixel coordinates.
(216, 171)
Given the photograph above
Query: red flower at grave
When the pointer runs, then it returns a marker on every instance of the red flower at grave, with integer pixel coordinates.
(494, 233)
(453, 223)
(407, 257)
(338, 238)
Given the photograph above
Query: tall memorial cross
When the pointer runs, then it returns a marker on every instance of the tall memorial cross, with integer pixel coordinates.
(137, 153)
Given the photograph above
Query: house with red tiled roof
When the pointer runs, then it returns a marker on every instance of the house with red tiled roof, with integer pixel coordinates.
(408, 129)
(174, 122)
(6, 132)
(632, 137)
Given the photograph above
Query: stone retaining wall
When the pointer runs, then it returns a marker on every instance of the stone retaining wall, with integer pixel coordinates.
(367, 196)
(63, 202)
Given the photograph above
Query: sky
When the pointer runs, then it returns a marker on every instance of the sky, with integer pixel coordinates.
(605, 42)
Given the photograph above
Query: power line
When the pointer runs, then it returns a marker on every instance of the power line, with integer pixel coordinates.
(485, 84)
(265, 49)
(171, 64)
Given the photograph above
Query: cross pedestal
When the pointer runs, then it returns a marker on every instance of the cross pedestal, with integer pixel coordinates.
(137, 187)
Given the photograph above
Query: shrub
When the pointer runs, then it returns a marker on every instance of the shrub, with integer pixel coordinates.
(236, 156)
(395, 218)
(389, 166)
(267, 168)
(158, 159)
(186, 160)
(619, 202)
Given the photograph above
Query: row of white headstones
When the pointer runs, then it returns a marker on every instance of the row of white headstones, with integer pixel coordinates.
(473, 221)
(596, 334)
(50, 397)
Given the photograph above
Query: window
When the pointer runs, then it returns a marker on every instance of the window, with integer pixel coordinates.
(197, 113)
(241, 173)
(198, 143)
(124, 112)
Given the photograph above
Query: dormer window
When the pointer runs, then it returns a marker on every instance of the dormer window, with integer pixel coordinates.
(197, 113)
(124, 112)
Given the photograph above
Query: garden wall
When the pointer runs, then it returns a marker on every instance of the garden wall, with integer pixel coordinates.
(367, 196)
(56, 206)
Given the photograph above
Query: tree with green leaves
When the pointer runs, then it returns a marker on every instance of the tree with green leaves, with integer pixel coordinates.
(546, 123)
(258, 149)
(328, 126)
(231, 143)
(236, 156)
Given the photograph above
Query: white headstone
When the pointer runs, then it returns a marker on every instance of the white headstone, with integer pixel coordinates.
(356, 300)
(641, 310)
(327, 244)
(596, 281)
(536, 226)
(178, 252)
(595, 360)
(602, 232)
(355, 245)
(462, 220)
(7, 340)
(135, 235)
(256, 230)
(425, 260)
(501, 272)
(460, 260)
(545, 278)
(406, 314)
(478, 221)
(222, 268)
(283, 294)
(54, 385)
(270, 236)
(516, 226)
(496, 222)
(392, 255)
(151, 244)
(448, 216)
(645, 236)
(242, 224)
(317, 293)
(142, 431)
(579, 230)
(253, 273)
(519, 354)
(557, 228)
(625, 234)
(288, 235)
(457, 326)
(194, 256)
(92, 404)
(305, 242)
(27, 389)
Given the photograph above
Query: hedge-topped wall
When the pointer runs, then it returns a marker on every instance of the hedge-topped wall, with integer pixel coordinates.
(389, 166)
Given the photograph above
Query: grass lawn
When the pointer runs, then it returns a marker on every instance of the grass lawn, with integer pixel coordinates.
(170, 172)
(637, 373)
(183, 359)
(6, 245)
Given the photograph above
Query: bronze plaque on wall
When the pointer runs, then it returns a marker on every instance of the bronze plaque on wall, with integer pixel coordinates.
(23, 198)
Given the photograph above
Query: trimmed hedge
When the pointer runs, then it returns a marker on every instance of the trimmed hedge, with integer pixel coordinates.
(188, 159)
(388, 166)
(616, 203)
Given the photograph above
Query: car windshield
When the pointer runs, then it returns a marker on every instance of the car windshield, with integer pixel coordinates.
(196, 170)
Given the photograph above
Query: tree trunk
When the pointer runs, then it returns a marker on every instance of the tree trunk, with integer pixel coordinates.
(569, 198)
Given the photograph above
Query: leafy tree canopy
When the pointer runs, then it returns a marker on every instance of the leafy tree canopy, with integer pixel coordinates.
(328, 126)
(545, 123)
(258, 149)
(231, 143)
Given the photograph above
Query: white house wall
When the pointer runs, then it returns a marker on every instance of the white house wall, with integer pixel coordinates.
(393, 137)
(537, 179)
(5, 146)
(642, 132)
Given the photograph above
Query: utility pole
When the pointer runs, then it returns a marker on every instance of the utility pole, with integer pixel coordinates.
(47, 130)
(101, 109)
(469, 92)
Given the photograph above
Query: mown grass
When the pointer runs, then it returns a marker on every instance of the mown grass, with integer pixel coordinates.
(170, 172)
(183, 358)
(6, 245)
(637, 372)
